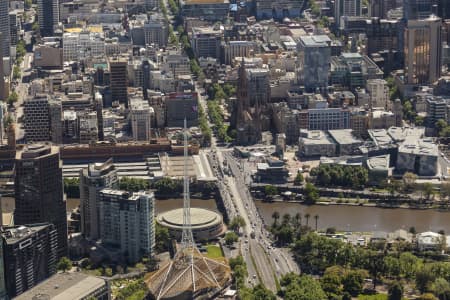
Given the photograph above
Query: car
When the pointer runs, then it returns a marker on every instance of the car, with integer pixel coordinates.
(246, 241)
(254, 276)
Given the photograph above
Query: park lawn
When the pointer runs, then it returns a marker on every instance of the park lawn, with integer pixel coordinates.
(213, 251)
(138, 295)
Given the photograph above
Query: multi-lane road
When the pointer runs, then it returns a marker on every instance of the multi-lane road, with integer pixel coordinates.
(265, 263)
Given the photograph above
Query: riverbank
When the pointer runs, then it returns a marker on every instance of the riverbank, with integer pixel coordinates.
(363, 202)
(359, 217)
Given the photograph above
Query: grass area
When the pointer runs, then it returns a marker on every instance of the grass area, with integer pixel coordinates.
(214, 251)
(130, 289)
(138, 295)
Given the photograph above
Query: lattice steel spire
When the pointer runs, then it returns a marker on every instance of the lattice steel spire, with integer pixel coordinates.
(187, 239)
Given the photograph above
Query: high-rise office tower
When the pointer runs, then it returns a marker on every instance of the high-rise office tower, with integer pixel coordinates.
(29, 256)
(48, 16)
(349, 8)
(127, 221)
(5, 38)
(55, 117)
(3, 90)
(417, 9)
(423, 50)
(119, 79)
(14, 27)
(95, 177)
(314, 54)
(37, 119)
(39, 190)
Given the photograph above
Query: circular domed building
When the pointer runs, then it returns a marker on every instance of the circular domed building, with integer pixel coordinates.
(206, 224)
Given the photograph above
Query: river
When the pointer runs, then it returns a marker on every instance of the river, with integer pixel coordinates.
(353, 218)
(360, 218)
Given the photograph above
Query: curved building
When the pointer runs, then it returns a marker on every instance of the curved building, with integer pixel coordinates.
(206, 224)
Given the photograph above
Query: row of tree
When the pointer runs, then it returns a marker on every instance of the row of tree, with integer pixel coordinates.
(290, 228)
(355, 177)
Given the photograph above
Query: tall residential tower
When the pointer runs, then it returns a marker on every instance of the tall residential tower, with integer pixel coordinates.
(95, 177)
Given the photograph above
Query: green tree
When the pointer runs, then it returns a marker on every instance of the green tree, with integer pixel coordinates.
(108, 272)
(64, 264)
(441, 289)
(428, 190)
(270, 190)
(332, 285)
(237, 223)
(409, 181)
(275, 216)
(230, 238)
(316, 220)
(298, 179)
(311, 194)
(20, 49)
(409, 264)
(168, 186)
(301, 287)
(136, 290)
(353, 283)
(425, 278)
(392, 266)
(72, 187)
(395, 291)
(12, 98)
(440, 124)
(132, 184)
(162, 238)
(261, 293)
(16, 72)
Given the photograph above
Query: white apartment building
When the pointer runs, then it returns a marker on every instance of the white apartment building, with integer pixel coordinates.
(379, 92)
(84, 44)
(141, 119)
(127, 220)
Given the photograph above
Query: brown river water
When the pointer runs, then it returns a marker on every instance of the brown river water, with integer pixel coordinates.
(353, 218)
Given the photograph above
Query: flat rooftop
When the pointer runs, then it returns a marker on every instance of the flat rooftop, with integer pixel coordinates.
(380, 137)
(315, 40)
(419, 146)
(399, 134)
(316, 137)
(344, 137)
(63, 286)
(17, 233)
(379, 163)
